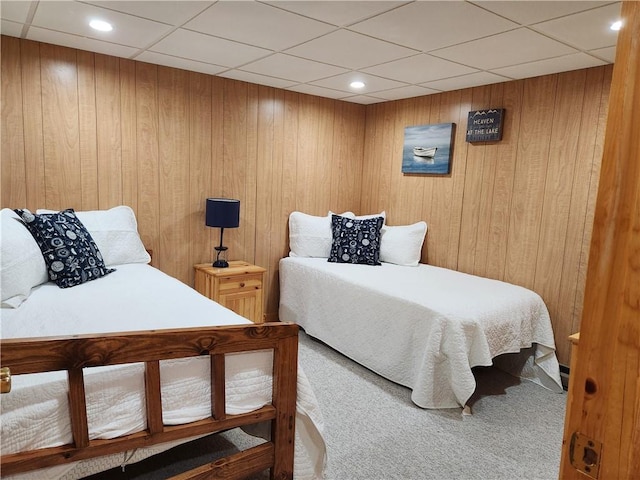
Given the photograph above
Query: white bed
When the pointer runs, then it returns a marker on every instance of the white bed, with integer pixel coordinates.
(134, 298)
(423, 327)
(35, 413)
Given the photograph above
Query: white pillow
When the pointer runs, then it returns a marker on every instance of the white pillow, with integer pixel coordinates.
(115, 232)
(402, 245)
(22, 265)
(310, 236)
(382, 214)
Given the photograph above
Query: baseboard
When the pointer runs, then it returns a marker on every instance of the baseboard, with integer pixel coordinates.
(564, 376)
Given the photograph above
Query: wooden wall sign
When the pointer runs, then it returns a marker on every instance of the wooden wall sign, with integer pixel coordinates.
(485, 125)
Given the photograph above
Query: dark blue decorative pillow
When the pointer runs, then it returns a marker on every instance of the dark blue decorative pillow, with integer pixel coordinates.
(70, 253)
(355, 241)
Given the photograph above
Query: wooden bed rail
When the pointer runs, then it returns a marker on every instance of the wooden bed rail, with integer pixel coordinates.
(74, 353)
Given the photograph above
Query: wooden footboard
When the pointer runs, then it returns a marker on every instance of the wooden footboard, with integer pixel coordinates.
(73, 354)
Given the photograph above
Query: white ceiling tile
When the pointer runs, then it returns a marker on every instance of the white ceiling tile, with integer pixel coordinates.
(607, 54)
(430, 25)
(12, 29)
(318, 91)
(372, 83)
(340, 13)
(551, 65)
(15, 11)
(255, 78)
(204, 48)
(257, 24)
(81, 43)
(419, 68)
(350, 50)
(177, 62)
(297, 69)
(401, 48)
(587, 30)
(514, 47)
(363, 99)
(167, 11)
(529, 12)
(405, 92)
(74, 17)
(466, 81)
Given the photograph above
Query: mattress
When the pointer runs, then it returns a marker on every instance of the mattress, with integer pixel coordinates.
(136, 297)
(423, 327)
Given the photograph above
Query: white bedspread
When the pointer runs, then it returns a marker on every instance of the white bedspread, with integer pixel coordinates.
(137, 297)
(423, 327)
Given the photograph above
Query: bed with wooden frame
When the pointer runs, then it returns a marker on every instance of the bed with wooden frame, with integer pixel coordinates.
(73, 354)
(136, 362)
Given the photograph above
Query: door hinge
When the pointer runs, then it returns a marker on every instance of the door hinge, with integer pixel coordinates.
(584, 454)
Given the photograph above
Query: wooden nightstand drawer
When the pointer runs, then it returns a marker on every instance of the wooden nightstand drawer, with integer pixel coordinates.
(238, 287)
(240, 284)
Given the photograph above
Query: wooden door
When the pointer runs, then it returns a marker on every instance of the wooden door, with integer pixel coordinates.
(605, 388)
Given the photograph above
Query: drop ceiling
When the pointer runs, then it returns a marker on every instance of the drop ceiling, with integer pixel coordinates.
(399, 49)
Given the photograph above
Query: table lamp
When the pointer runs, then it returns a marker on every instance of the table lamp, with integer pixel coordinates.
(222, 213)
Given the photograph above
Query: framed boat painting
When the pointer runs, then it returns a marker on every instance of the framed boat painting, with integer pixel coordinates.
(427, 149)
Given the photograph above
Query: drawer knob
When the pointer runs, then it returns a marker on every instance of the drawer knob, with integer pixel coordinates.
(241, 284)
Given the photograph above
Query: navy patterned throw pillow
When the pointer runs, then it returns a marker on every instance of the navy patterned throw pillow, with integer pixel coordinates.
(70, 253)
(355, 241)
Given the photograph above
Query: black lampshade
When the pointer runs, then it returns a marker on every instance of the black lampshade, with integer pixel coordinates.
(223, 212)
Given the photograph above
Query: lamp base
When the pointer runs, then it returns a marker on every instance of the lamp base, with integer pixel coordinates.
(221, 257)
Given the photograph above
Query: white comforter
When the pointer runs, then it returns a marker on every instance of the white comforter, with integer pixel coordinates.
(423, 327)
(136, 297)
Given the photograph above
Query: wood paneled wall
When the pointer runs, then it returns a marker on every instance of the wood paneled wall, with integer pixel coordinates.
(519, 210)
(90, 131)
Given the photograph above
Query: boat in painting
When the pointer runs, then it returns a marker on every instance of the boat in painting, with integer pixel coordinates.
(424, 151)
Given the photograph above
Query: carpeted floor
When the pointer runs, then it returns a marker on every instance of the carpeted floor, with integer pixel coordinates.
(374, 431)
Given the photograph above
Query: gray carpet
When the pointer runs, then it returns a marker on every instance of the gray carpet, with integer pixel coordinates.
(374, 431)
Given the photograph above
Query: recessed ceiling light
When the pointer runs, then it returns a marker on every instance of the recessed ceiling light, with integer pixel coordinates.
(357, 84)
(100, 25)
(616, 25)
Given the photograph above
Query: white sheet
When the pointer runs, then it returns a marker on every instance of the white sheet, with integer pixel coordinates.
(423, 327)
(137, 297)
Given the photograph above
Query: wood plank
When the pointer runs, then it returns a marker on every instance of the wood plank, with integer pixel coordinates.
(472, 200)
(278, 234)
(128, 133)
(13, 169)
(87, 124)
(582, 176)
(153, 396)
(505, 153)
(60, 126)
(235, 161)
(33, 133)
(248, 235)
(563, 148)
(200, 167)
(264, 181)
(109, 139)
(78, 408)
(484, 249)
(240, 465)
(528, 188)
(218, 387)
(173, 130)
(148, 214)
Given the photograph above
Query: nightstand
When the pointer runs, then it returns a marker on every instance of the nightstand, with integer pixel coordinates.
(237, 287)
